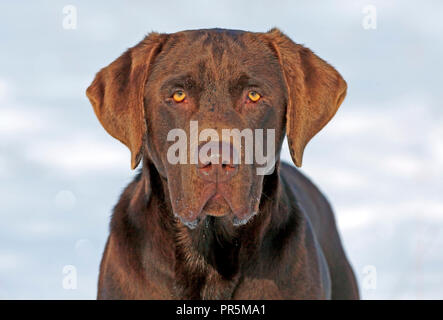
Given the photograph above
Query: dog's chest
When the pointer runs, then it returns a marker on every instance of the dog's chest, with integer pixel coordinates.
(196, 279)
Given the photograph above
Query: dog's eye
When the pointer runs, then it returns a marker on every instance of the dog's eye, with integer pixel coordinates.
(179, 96)
(254, 96)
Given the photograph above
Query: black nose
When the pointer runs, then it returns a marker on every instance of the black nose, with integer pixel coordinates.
(217, 161)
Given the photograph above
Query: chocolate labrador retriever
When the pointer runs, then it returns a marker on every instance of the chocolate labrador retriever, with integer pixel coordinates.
(216, 228)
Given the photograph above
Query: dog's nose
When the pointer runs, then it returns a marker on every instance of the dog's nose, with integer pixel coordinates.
(217, 161)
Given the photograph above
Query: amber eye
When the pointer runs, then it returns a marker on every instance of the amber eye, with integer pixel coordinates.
(254, 96)
(179, 96)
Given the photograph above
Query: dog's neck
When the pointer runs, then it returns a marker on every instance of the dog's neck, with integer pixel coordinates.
(209, 256)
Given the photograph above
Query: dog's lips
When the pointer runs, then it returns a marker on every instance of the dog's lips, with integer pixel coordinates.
(217, 206)
(215, 201)
(243, 217)
(220, 206)
(190, 214)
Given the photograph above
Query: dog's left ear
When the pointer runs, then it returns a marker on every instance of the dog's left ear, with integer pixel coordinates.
(117, 94)
(315, 91)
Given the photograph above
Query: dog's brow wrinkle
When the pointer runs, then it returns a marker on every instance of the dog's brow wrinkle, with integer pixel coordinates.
(184, 80)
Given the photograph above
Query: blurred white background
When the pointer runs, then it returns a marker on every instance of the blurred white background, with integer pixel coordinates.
(379, 161)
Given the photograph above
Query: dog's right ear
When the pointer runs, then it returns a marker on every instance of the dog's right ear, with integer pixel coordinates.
(117, 94)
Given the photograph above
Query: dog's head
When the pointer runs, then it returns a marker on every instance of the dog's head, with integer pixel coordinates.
(210, 109)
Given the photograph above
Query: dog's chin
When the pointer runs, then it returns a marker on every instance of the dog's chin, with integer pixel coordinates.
(217, 206)
(219, 210)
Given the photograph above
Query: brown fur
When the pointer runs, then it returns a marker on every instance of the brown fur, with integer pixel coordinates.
(171, 236)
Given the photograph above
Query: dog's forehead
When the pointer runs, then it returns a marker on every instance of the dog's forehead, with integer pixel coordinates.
(209, 37)
(214, 31)
(220, 51)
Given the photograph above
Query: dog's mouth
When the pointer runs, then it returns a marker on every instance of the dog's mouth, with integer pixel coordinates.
(221, 208)
(217, 206)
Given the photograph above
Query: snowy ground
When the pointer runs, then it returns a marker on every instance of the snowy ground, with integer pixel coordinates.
(380, 160)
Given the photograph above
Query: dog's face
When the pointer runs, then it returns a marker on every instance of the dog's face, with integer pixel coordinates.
(213, 78)
(203, 104)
